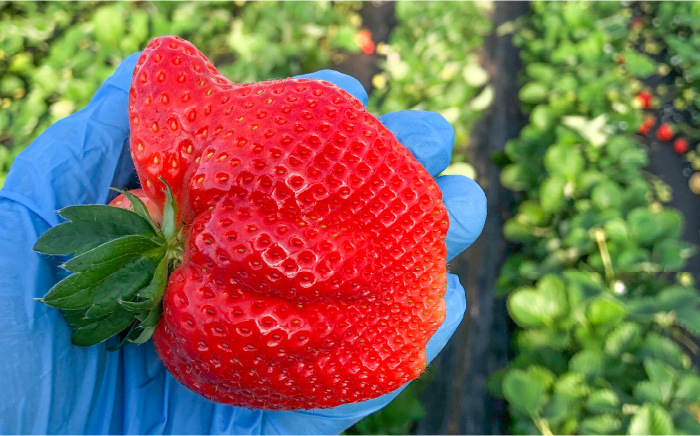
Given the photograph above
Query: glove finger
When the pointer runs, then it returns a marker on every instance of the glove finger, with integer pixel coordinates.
(456, 304)
(348, 83)
(79, 157)
(466, 207)
(427, 135)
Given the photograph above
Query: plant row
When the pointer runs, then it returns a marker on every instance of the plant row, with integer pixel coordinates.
(605, 314)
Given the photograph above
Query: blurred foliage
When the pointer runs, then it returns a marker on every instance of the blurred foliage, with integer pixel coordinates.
(54, 55)
(432, 63)
(596, 288)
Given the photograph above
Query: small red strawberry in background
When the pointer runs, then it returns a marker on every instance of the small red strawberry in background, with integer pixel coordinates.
(365, 42)
(664, 132)
(297, 247)
(680, 145)
(643, 99)
(647, 125)
(620, 59)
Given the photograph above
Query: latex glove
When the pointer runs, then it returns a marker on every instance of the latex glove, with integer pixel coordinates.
(50, 386)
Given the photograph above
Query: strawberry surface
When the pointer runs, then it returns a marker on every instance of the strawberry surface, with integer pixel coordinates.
(313, 270)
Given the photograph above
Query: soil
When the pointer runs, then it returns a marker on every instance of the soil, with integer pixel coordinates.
(458, 401)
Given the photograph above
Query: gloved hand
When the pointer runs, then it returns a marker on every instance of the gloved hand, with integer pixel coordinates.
(50, 386)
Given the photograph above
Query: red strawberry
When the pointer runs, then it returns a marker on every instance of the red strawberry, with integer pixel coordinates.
(364, 41)
(646, 125)
(313, 270)
(643, 99)
(643, 129)
(664, 132)
(680, 145)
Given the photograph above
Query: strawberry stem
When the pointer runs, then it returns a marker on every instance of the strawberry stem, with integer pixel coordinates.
(121, 263)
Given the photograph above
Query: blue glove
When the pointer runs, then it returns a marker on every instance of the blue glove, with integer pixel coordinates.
(50, 386)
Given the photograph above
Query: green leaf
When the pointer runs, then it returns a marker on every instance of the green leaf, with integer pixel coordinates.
(125, 219)
(169, 214)
(587, 362)
(564, 159)
(552, 196)
(686, 423)
(533, 93)
(540, 307)
(689, 318)
(112, 255)
(120, 285)
(651, 420)
(649, 392)
(524, 391)
(74, 292)
(606, 195)
(558, 408)
(151, 294)
(671, 254)
(572, 384)
(601, 424)
(662, 375)
(541, 117)
(664, 349)
(79, 236)
(639, 65)
(648, 226)
(148, 325)
(688, 390)
(605, 312)
(103, 329)
(543, 337)
(623, 338)
(602, 401)
(139, 207)
(155, 289)
(616, 229)
(136, 306)
(76, 318)
(677, 298)
(109, 23)
(541, 72)
(81, 289)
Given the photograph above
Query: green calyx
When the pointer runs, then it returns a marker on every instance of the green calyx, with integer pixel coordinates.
(121, 262)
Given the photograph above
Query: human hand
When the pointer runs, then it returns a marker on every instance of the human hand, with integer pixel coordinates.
(52, 386)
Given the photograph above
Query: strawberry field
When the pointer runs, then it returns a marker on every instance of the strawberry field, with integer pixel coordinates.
(580, 121)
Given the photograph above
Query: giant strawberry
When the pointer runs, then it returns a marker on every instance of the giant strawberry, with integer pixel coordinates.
(303, 245)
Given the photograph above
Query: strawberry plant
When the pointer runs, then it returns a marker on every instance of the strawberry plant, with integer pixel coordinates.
(604, 311)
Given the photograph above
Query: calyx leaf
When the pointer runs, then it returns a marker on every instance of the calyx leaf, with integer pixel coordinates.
(120, 269)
